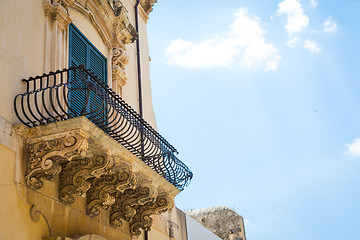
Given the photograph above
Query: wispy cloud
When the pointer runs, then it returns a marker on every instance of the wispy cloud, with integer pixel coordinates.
(244, 44)
(353, 149)
(314, 3)
(330, 25)
(312, 46)
(292, 42)
(297, 21)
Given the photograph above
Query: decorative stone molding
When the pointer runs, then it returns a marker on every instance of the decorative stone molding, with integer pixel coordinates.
(126, 203)
(142, 219)
(108, 17)
(113, 27)
(104, 189)
(57, 10)
(116, 6)
(57, 20)
(74, 177)
(35, 215)
(119, 60)
(147, 5)
(64, 3)
(45, 156)
(92, 165)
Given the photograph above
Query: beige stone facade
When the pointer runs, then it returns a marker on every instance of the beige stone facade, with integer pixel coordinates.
(68, 179)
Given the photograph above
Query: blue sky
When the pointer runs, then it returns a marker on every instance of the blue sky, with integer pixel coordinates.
(261, 98)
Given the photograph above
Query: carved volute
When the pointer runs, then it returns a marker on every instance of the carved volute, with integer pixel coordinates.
(45, 156)
(88, 164)
(147, 5)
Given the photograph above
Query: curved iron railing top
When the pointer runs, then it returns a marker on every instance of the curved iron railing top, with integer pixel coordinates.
(75, 92)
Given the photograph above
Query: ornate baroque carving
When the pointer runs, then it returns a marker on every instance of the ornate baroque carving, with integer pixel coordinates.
(121, 30)
(148, 5)
(142, 219)
(119, 183)
(58, 10)
(45, 157)
(126, 202)
(104, 189)
(74, 179)
(119, 60)
(109, 19)
(64, 3)
(116, 6)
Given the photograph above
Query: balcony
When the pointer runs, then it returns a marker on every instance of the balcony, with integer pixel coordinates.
(80, 133)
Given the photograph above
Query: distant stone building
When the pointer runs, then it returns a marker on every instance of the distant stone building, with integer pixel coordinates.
(222, 221)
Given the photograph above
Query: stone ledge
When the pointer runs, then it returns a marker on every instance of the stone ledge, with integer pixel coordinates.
(87, 162)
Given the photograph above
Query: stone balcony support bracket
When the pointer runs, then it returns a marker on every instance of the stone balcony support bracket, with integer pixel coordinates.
(87, 163)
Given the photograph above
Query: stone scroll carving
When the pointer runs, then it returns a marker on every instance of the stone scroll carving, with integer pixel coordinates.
(74, 179)
(148, 5)
(126, 202)
(106, 181)
(116, 6)
(142, 220)
(119, 60)
(104, 189)
(45, 157)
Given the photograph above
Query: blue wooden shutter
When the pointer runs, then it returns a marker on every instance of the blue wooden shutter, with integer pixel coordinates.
(77, 56)
(98, 96)
(84, 100)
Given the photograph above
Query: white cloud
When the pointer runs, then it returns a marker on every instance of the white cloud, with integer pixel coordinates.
(209, 53)
(259, 54)
(297, 21)
(314, 3)
(292, 42)
(312, 46)
(353, 149)
(330, 25)
(243, 44)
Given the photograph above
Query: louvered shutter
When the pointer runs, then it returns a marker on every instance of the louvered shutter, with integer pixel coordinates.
(98, 96)
(84, 100)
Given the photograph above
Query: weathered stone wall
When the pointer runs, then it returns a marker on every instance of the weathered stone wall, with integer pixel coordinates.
(223, 221)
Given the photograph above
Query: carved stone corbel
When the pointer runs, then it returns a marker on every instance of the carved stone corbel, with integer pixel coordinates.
(45, 157)
(75, 178)
(124, 33)
(64, 3)
(142, 219)
(147, 5)
(103, 190)
(123, 29)
(119, 60)
(58, 10)
(126, 203)
(91, 164)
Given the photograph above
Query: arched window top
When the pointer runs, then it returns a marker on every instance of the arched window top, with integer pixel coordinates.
(113, 27)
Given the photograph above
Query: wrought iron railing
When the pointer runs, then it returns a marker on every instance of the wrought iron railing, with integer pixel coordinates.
(75, 92)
